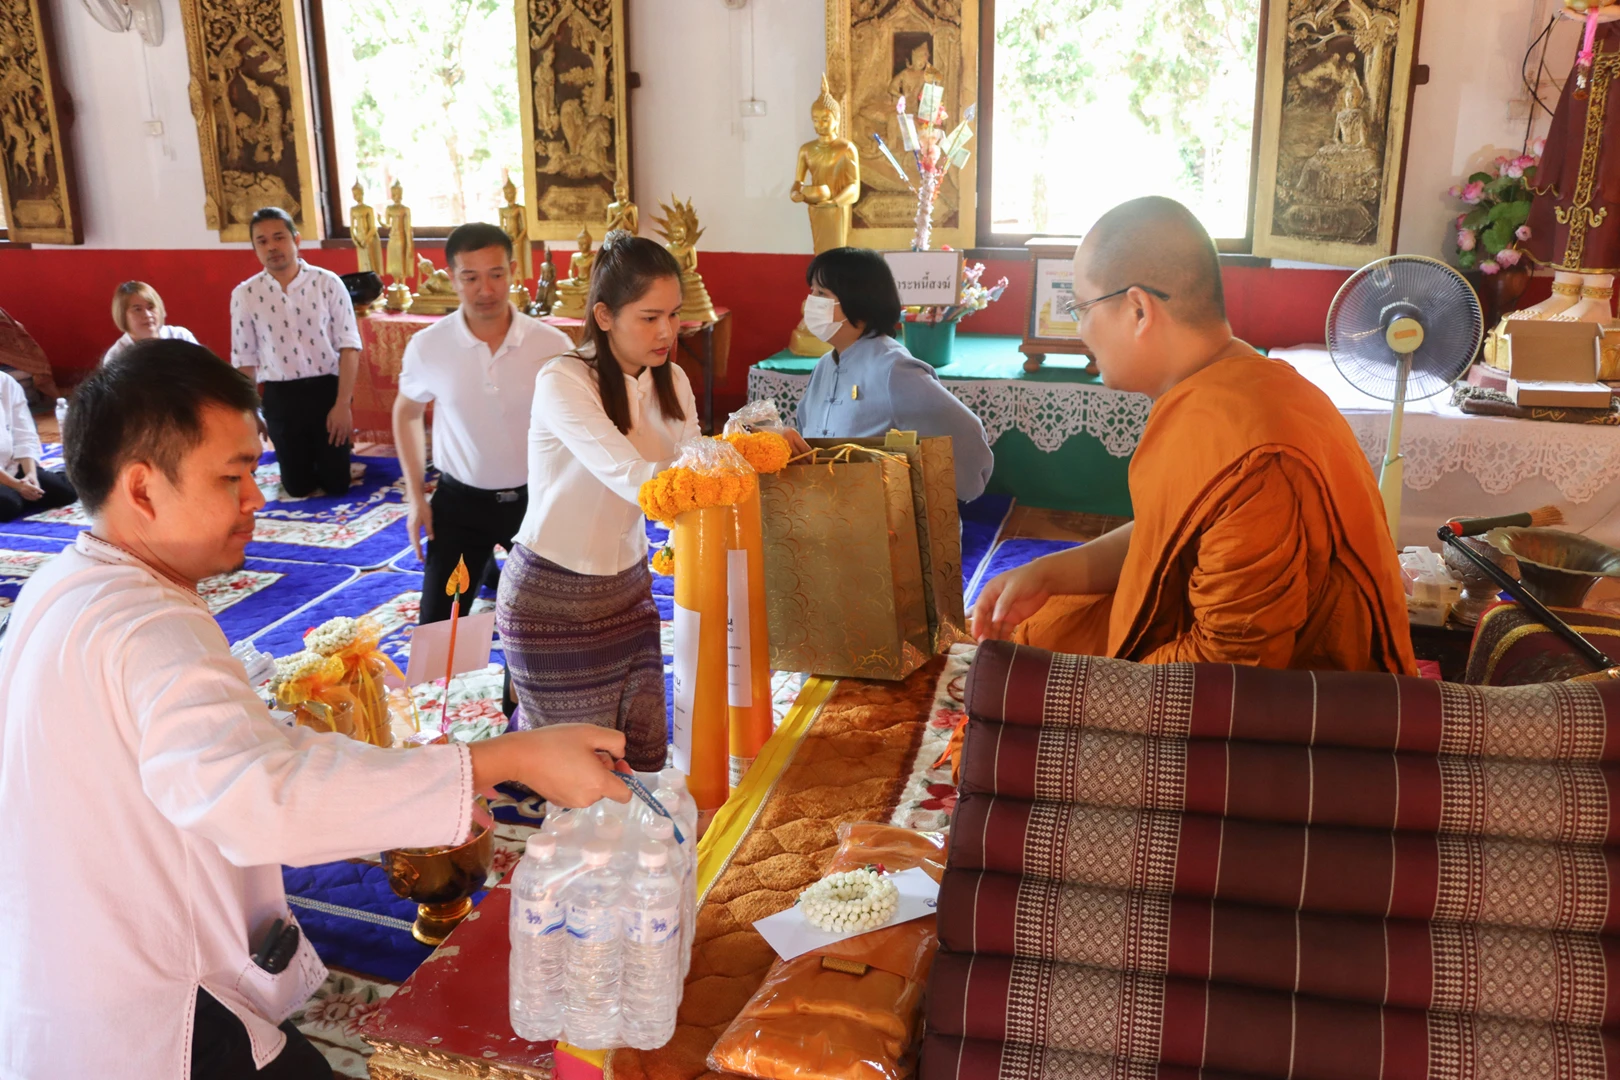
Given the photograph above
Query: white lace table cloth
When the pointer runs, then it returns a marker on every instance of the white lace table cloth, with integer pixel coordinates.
(1049, 413)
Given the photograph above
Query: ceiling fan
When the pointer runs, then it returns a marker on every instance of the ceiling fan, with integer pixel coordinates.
(145, 17)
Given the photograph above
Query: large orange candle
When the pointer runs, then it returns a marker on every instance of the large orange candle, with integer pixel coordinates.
(701, 539)
(749, 636)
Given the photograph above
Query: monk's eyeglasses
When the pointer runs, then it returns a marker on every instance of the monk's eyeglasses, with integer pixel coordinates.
(1074, 310)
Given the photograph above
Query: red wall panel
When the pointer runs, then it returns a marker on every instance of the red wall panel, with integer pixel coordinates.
(64, 298)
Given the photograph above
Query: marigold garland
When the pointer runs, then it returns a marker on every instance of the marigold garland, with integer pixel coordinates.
(680, 488)
(663, 563)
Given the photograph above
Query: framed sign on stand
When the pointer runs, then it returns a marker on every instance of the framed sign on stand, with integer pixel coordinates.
(1050, 328)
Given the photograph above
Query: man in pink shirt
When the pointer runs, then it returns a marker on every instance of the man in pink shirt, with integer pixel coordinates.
(147, 796)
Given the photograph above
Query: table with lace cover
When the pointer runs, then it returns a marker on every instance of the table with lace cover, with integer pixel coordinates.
(1062, 439)
(1459, 464)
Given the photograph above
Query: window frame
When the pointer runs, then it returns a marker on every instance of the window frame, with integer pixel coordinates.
(331, 201)
(985, 234)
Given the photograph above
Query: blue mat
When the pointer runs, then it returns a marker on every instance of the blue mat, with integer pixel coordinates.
(245, 603)
(364, 528)
(981, 523)
(1010, 554)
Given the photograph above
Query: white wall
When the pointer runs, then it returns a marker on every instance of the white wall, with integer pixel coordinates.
(144, 191)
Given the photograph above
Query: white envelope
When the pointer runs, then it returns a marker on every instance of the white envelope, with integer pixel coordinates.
(430, 647)
(791, 935)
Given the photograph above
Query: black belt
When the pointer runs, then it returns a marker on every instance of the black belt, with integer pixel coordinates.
(509, 495)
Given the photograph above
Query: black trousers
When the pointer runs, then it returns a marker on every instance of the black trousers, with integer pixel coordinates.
(467, 524)
(295, 412)
(58, 492)
(220, 1049)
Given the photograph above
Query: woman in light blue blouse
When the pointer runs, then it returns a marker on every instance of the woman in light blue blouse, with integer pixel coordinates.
(869, 384)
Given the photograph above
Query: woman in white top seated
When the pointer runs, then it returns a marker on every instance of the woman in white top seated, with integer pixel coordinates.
(869, 384)
(137, 310)
(575, 609)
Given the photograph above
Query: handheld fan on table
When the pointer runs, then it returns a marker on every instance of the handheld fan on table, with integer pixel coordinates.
(1403, 328)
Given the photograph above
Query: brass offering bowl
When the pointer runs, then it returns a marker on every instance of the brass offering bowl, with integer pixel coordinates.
(1479, 589)
(1558, 568)
(441, 880)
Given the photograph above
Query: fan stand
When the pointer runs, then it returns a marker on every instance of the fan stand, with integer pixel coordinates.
(1391, 475)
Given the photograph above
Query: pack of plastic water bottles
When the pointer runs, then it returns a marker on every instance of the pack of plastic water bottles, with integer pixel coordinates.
(601, 925)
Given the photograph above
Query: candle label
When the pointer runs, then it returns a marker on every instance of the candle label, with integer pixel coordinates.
(739, 658)
(687, 627)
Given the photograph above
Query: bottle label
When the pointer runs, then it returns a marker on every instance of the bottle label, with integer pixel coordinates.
(540, 917)
(592, 926)
(652, 927)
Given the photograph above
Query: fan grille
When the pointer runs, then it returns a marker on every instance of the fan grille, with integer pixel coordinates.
(1436, 295)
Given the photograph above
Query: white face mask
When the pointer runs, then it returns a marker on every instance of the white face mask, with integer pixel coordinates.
(818, 317)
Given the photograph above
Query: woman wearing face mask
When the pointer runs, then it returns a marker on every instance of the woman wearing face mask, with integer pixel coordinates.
(137, 310)
(575, 608)
(869, 384)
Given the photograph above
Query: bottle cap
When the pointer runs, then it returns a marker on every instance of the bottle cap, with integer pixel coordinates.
(596, 853)
(540, 845)
(652, 856)
(659, 828)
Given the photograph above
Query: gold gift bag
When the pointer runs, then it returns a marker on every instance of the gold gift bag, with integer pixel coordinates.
(843, 573)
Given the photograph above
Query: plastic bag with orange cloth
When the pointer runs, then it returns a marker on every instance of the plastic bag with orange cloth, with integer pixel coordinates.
(850, 1011)
(335, 683)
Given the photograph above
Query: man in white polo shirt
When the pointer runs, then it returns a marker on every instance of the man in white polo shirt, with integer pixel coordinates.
(147, 797)
(477, 366)
(293, 331)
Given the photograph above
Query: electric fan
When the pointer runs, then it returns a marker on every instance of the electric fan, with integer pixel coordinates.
(1403, 327)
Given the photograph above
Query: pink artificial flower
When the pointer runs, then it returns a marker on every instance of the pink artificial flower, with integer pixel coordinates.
(1473, 192)
(1507, 257)
(1525, 161)
(1460, 219)
(1502, 160)
(1465, 240)
(1456, 191)
(1488, 267)
(1513, 169)
(1522, 232)
(1538, 147)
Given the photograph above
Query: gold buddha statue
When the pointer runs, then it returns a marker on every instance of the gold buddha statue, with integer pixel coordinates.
(401, 245)
(621, 212)
(681, 231)
(363, 231)
(827, 179)
(435, 294)
(515, 224)
(572, 290)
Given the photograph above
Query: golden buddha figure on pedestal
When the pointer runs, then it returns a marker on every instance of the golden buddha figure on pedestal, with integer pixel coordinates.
(572, 290)
(827, 179)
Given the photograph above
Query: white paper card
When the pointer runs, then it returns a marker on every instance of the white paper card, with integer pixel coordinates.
(739, 658)
(926, 277)
(687, 626)
(791, 935)
(430, 647)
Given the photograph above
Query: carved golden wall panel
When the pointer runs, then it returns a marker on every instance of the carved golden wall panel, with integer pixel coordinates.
(36, 169)
(572, 61)
(1333, 128)
(252, 112)
(876, 51)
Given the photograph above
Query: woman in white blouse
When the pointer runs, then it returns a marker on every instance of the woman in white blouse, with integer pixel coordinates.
(575, 610)
(137, 310)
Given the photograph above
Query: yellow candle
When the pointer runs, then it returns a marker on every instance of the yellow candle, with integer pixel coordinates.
(701, 539)
(750, 689)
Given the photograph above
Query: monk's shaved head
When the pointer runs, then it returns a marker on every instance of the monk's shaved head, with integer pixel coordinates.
(1156, 242)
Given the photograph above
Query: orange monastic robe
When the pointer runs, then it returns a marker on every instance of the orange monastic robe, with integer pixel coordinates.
(1260, 537)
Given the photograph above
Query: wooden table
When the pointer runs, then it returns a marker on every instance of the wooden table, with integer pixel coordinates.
(704, 350)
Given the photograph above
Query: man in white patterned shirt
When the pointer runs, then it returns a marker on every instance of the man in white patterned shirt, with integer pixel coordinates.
(293, 331)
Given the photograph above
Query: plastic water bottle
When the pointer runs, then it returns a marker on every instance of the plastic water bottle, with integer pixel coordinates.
(673, 795)
(683, 868)
(594, 952)
(538, 942)
(61, 415)
(652, 942)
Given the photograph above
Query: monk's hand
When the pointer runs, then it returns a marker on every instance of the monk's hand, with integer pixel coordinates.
(1008, 600)
(568, 765)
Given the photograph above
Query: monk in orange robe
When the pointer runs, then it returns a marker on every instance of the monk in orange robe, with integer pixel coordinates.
(1259, 536)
